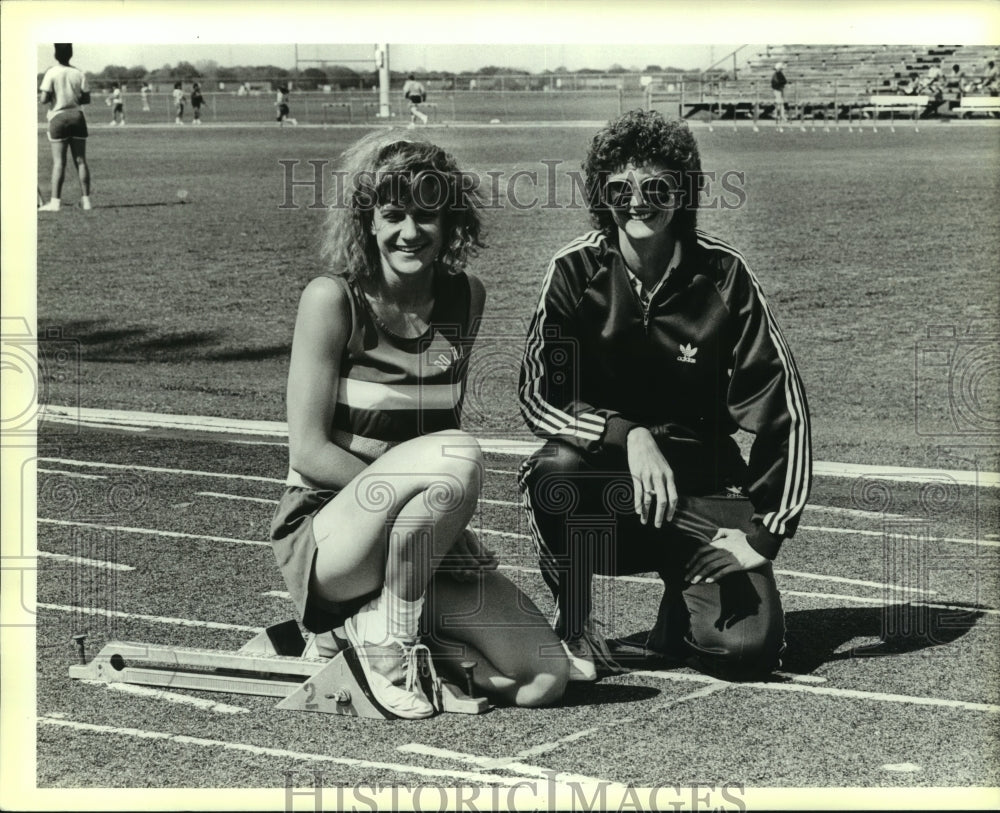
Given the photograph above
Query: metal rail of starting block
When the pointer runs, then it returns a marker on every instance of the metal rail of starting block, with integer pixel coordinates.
(271, 664)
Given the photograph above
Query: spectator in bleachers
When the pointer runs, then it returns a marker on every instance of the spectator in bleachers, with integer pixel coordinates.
(912, 87)
(956, 83)
(934, 83)
(988, 82)
(778, 82)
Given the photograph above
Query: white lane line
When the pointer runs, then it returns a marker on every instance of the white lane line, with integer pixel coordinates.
(494, 763)
(850, 512)
(984, 542)
(829, 691)
(792, 573)
(639, 579)
(156, 619)
(546, 747)
(888, 532)
(79, 560)
(799, 593)
(235, 497)
(77, 474)
(170, 697)
(902, 767)
(500, 446)
(281, 753)
(153, 532)
(881, 601)
(160, 470)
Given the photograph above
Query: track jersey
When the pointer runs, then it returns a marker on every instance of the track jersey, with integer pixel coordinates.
(392, 388)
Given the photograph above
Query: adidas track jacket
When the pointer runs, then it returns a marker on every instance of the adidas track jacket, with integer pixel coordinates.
(705, 359)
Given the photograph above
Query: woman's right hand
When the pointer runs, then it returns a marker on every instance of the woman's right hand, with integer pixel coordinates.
(652, 478)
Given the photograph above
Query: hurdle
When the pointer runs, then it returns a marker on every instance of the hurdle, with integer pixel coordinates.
(891, 105)
(272, 664)
(328, 106)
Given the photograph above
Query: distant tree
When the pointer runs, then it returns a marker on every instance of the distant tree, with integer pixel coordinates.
(113, 71)
(136, 73)
(653, 69)
(207, 67)
(226, 75)
(489, 70)
(616, 68)
(185, 71)
(311, 78)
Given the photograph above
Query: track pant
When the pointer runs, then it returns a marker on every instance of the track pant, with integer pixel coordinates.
(581, 514)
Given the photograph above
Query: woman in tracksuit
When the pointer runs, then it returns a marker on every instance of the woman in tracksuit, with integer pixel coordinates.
(651, 345)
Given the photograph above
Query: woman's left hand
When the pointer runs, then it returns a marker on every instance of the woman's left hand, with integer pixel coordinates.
(468, 558)
(729, 552)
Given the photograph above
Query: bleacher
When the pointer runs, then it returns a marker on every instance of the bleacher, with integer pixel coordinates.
(839, 81)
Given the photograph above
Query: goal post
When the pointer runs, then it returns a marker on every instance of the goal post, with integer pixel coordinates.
(382, 65)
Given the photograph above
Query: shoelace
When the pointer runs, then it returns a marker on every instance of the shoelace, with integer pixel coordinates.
(412, 667)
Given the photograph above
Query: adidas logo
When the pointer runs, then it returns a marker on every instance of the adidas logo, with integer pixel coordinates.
(444, 360)
(688, 354)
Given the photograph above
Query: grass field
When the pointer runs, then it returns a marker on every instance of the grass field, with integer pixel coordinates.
(862, 241)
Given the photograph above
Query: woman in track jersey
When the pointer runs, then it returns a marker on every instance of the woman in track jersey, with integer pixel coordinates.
(64, 90)
(372, 534)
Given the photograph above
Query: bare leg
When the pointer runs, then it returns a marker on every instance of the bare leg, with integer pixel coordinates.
(399, 515)
(58, 167)
(518, 657)
(78, 146)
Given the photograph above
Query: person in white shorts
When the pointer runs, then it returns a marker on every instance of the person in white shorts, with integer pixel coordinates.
(64, 89)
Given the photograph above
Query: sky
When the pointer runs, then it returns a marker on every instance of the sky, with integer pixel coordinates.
(93, 56)
(464, 35)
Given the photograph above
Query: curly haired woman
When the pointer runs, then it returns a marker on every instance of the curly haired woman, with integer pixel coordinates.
(651, 345)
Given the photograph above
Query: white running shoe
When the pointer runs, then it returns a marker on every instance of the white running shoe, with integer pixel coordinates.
(53, 205)
(393, 671)
(581, 661)
(85, 203)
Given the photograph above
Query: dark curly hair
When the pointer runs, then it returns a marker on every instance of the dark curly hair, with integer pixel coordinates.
(383, 168)
(642, 137)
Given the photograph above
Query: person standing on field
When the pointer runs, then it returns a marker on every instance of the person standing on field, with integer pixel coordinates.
(179, 100)
(117, 104)
(778, 83)
(196, 102)
(283, 109)
(414, 93)
(64, 90)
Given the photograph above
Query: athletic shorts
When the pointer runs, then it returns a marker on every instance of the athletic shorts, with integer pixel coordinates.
(67, 124)
(118, 108)
(294, 547)
(179, 109)
(282, 110)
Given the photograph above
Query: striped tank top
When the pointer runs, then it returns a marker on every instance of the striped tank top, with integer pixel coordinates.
(394, 388)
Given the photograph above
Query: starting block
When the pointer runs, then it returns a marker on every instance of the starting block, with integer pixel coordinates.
(271, 664)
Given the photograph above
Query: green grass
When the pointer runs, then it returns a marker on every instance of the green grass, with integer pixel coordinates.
(861, 241)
